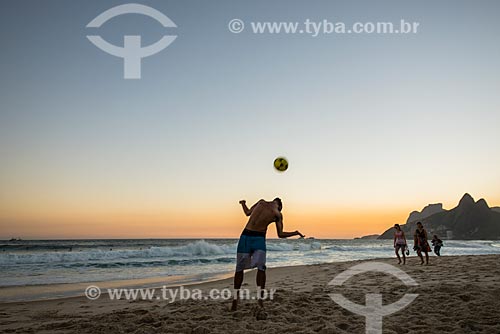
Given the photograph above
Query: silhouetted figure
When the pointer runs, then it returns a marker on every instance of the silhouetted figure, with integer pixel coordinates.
(251, 251)
(400, 243)
(421, 244)
(437, 244)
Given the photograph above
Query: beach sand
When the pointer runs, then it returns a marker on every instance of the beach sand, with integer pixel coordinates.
(456, 295)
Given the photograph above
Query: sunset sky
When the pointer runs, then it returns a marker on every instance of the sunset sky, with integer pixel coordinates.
(373, 126)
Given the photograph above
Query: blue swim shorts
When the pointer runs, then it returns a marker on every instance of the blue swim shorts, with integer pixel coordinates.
(251, 251)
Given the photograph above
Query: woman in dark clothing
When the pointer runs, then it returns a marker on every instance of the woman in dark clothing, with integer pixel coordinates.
(421, 244)
(437, 244)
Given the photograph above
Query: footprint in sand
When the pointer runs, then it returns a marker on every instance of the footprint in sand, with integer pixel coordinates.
(261, 315)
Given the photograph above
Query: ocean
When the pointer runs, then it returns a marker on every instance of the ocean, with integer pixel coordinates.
(41, 262)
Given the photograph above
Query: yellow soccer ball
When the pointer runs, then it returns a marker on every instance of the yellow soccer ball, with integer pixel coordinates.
(281, 164)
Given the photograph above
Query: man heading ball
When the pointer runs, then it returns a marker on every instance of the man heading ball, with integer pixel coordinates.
(252, 243)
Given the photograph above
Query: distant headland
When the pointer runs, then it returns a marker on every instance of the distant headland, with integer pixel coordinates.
(469, 220)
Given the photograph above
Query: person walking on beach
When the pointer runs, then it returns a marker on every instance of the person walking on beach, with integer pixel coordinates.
(437, 244)
(251, 251)
(421, 244)
(400, 243)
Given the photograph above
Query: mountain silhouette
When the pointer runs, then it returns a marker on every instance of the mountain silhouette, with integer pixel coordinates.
(470, 220)
(428, 211)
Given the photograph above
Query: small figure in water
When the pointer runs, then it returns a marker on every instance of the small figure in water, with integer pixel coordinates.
(437, 244)
(399, 243)
(421, 244)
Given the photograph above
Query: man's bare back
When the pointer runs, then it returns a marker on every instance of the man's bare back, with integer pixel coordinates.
(261, 215)
(264, 213)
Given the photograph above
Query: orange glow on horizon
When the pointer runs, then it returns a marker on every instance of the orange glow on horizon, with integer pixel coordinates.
(205, 221)
(335, 224)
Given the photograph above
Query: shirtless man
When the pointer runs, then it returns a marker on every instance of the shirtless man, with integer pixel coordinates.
(252, 244)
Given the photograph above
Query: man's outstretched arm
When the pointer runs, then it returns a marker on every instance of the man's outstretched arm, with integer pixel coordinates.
(246, 210)
(281, 233)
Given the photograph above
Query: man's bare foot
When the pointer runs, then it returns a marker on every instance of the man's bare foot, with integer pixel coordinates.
(260, 302)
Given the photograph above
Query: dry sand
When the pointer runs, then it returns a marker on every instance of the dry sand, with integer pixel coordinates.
(456, 295)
